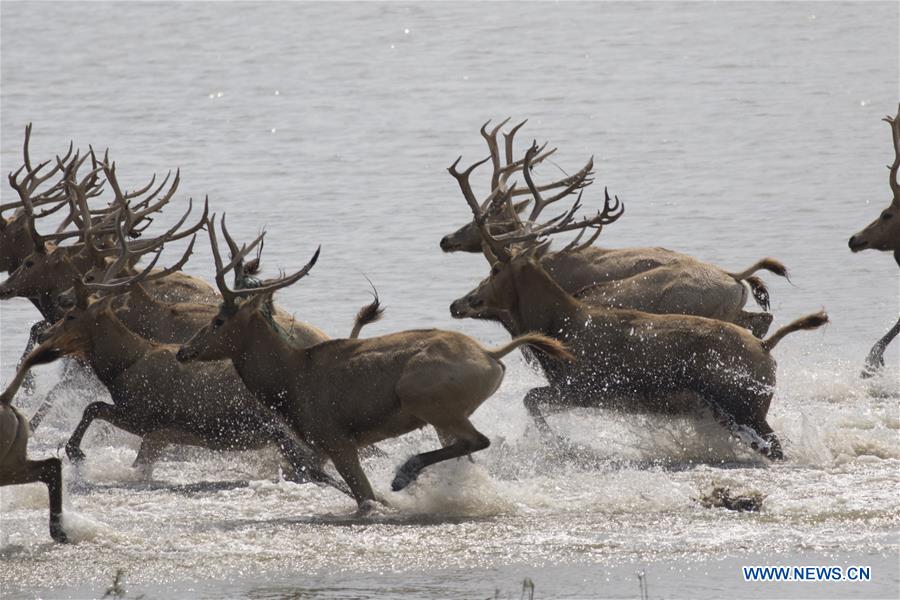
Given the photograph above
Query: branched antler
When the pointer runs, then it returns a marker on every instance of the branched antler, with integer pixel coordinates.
(230, 296)
(894, 122)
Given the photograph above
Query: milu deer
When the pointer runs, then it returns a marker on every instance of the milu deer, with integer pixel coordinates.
(341, 395)
(50, 268)
(15, 467)
(637, 360)
(159, 399)
(648, 279)
(884, 234)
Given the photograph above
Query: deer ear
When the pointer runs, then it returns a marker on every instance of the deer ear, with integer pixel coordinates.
(520, 206)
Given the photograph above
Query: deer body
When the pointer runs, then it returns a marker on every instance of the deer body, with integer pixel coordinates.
(341, 395)
(15, 466)
(883, 234)
(161, 400)
(637, 360)
(649, 279)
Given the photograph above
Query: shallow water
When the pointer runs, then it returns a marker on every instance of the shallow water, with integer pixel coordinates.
(731, 131)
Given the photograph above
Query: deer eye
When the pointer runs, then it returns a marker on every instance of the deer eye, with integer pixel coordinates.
(29, 264)
(886, 215)
(495, 269)
(70, 318)
(218, 323)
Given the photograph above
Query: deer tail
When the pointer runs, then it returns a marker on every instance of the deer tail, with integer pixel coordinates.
(548, 345)
(812, 321)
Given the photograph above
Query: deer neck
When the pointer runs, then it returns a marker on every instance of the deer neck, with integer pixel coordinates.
(268, 363)
(541, 304)
(114, 348)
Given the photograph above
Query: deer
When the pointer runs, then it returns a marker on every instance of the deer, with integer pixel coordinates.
(883, 234)
(157, 398)
(344, 394)
(208, 407)
(650, 279)
(15, 466)
(634, 360)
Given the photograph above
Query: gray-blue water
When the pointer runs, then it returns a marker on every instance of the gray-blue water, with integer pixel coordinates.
(731, 131)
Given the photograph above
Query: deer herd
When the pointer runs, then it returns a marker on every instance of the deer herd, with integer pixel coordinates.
(226, 368)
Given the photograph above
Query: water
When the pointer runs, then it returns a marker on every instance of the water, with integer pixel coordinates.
(731, 131)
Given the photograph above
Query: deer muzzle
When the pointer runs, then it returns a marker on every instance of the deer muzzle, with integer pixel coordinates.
(856, 243)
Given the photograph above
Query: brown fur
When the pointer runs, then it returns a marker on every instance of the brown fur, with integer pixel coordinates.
(345, 394)
(645, 361)
(15, 467)
(883, 234)
(162, 401)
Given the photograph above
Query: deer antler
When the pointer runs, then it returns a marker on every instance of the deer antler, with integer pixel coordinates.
(240, 270)
(123, 284)
(140, 211)
(578, 181)
(894, 122)
(500, 194)
(271, 285)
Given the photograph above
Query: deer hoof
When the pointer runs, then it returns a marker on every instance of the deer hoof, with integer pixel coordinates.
(407, 473)
(56, 531)
(366, 508)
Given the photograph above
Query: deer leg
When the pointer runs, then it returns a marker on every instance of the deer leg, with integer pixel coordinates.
(48, 472)
(875, 359)
(305, 462)
(533, 399)
(36, 330)
(766, 443)
(72, 376)
(152, 446)
(467, 440)
(346, 460)
(96, 410)
(447, 439)
(768, 434)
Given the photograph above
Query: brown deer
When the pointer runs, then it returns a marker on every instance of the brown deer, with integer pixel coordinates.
(162, 401)
(637, 360)
(341, 395)
(649, 279)
(883, 234)
(15, 467)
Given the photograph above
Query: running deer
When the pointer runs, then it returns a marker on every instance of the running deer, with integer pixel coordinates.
(160, 400)
(641, 361)
(341, 395)
(650, 279)
(884, 234)
(15, 467)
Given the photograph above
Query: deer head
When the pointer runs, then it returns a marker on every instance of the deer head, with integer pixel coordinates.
(511, 252)
(226, 334)
(884, 232)
(504, 218)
